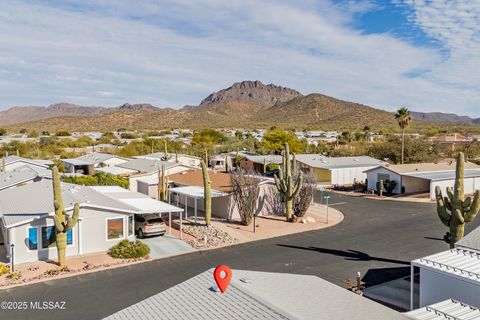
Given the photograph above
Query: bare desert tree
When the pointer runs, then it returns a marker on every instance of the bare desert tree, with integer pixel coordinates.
(302, 201)
(245, 189)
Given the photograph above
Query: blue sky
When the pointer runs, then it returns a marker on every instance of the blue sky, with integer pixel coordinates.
(422, 54)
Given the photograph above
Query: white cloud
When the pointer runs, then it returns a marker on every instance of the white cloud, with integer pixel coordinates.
(171, 53)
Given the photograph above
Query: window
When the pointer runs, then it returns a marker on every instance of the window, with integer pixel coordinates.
(32, 239)
(48, 237)
(130, 225)
(114, 228)
(69, 237)
(383, 176)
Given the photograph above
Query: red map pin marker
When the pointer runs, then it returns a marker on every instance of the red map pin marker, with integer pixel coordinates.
(222, 282)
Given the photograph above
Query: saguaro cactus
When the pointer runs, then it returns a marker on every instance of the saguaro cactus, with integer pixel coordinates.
(165, 157)
(454, 210)
(4, 165)
(62, 222)
(162, 185)
(207, 193)
(285, 184)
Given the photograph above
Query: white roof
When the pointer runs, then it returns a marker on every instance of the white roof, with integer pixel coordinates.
(151, 205)
(448, 309)
(320, 161)
(197, 192)
(136, 200)
(257, 295)
(443, 175)
(116, 170)
(462, 263)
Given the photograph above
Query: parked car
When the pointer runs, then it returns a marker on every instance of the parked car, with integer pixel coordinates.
(149, 225)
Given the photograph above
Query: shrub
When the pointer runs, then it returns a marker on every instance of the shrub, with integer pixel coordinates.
(129, 250)
(304, 198)
(3, 269)
(389, 185)
(245, 194)
(56, 271)
(14, 275)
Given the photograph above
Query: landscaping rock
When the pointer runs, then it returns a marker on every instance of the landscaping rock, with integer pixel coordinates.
(310, 219)
(215, 237)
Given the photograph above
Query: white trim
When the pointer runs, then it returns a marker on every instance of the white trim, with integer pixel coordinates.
(133, 225)
(123, 228)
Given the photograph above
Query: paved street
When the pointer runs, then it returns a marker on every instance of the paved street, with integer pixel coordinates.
(377, 238)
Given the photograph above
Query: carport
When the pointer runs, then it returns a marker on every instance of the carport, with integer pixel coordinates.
(149, 205)
(445, 179)
(195, 193)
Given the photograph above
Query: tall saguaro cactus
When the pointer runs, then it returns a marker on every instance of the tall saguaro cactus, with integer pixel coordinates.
(162, 185)
(4, 165)
(62, 222)
(285, 184)
(454, 210)
(207, 193)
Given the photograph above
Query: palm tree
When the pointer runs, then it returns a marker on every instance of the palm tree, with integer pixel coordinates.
(366, 131)
(403, 118)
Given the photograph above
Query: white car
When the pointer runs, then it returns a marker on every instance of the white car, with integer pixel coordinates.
(149, 225)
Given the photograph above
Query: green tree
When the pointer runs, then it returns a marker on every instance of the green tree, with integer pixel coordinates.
(403, 118)
(275, 140)
(3, 132)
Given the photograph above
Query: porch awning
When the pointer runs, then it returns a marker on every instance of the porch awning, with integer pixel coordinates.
(196, 192)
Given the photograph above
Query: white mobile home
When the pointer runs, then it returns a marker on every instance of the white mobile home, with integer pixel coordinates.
(105, 218)
(336, 170)
(424, 177)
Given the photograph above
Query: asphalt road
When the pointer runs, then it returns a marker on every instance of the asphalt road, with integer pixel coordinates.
(376, 238)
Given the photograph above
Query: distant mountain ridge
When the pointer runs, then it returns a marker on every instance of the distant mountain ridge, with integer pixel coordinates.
(444, 117)
(248, 104)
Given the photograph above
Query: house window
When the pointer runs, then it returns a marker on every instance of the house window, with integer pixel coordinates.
(114, 228)
(48, 237)
(32, 239)
(130, 225)
(69, 237)
(383, 176)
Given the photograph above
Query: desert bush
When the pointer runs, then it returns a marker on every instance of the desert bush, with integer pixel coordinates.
(56, 271)
(129, 250)
(246, 189)
(389, 185)
(304, 198)
(14, 275)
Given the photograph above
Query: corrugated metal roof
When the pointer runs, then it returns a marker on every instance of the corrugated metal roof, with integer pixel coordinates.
(443, 175)
(460, 262)
(322, 162)
(427, 167)
(448, 309)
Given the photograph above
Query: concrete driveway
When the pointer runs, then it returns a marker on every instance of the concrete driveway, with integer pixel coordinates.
(166, 245)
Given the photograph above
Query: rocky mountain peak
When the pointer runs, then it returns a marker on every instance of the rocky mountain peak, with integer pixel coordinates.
(254, 92)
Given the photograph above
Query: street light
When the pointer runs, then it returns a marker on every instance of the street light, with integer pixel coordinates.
(326, 199)
(12, 254)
